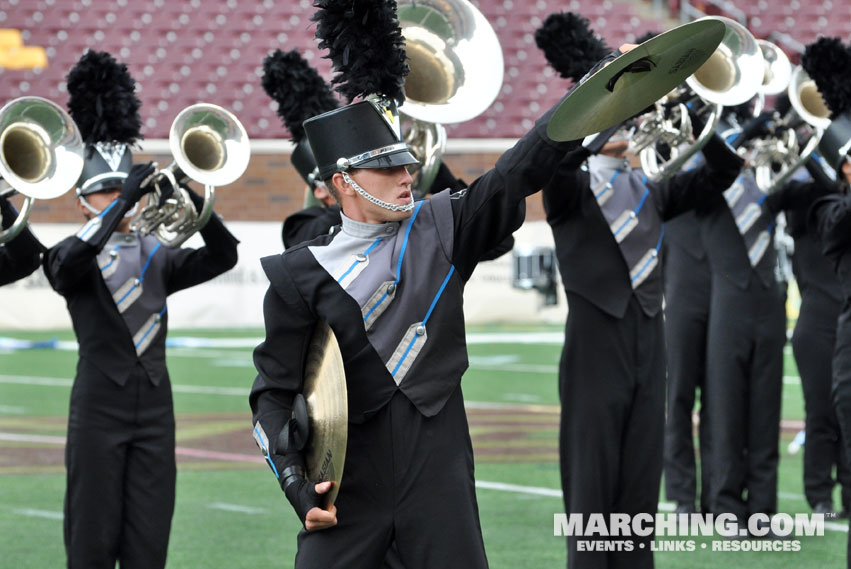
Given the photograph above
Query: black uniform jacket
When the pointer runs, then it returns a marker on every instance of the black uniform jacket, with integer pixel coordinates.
(590, 261)
(431, 256)
(22, 255)
(308, 223)
(830, 218)
(105, 342)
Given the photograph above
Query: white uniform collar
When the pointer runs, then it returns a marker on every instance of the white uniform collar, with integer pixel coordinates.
(365, 230)
(601, 162)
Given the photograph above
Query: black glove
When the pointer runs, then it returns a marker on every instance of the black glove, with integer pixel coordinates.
(598, 142)
(757, 127)
(132, 190)
(8, 212)
(574, 159)
(197, 200)
(300, 493)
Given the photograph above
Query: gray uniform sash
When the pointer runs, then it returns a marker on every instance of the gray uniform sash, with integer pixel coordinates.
(745, 199)
(138, 291)
(628, 208)
(367, 261)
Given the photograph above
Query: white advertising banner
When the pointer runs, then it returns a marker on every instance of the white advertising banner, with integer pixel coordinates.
(235, 299)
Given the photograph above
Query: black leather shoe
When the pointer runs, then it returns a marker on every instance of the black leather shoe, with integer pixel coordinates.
(825, 508)
(685, 508)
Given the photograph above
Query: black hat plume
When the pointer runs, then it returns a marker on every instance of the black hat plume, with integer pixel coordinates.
(569, 45)
(365, 46)
(103, 100)
(828, 62)
(298, 89)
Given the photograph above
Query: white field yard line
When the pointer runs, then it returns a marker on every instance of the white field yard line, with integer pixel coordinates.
(239, 457)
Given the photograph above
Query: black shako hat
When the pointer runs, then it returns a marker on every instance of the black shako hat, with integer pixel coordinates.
(103, 103)
(106, 166)
(835, 143)
(827, 62)
(361, 135)
(304, 162)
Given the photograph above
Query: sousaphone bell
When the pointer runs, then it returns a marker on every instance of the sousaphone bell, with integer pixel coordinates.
(209, 146)
(41, 154)
(456, 72)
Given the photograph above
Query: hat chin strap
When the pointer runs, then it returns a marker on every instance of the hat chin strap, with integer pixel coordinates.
(96, 211)
(375, 200)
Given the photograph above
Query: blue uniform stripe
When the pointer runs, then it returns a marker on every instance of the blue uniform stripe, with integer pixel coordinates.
(637, 210)
(647, 263)
(266, 453)
(399, 262)
(355, 264)
(610, 182)
(109, 264)
(142, 274)
(151, 327)
(428, 314)
(101, 214)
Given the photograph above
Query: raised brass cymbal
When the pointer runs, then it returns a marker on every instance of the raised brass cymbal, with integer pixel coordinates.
(635, 80)
(328, 411)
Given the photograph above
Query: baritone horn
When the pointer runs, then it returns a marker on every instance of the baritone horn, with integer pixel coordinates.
(209, 146)
(777, 156)
(731, 76)
(456, 73)
(41, 154)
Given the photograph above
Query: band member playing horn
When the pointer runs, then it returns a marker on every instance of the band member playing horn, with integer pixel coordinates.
(607, 222)
(20, 256)
(120, 451)
(830, 216)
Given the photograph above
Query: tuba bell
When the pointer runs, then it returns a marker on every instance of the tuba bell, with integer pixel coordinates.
(777, 156)
(456, 73)
(209, 146)
(731, 76)
(41, 154)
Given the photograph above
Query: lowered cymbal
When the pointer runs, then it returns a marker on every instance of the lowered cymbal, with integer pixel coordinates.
(327, 409)
(635, 80)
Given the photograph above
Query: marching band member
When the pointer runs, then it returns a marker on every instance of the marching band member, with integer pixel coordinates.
(746, 335)
(120, 450)
(607, 221)
(389, 282)
(20, 256)
(830, 216)
(813, 343)
(301, 93)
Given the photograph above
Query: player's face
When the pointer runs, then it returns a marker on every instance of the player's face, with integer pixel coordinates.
(391, 185)
(101, 200)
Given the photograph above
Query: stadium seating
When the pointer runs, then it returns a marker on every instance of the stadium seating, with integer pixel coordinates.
(182, 52)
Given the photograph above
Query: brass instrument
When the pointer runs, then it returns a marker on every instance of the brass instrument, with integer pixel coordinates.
(456, 73)
(776, 157)
(41, 154)
(732, 75)
(209, 146)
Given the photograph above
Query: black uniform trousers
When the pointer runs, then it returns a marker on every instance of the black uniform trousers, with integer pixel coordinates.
(747, 332)
(119, 455)
(687, 295)
(402, 468)
(612, 421)
(813, 345)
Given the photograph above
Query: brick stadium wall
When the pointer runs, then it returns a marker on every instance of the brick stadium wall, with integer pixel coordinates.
(270, 189)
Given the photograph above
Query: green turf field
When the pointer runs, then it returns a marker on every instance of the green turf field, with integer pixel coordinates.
(230, 513)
